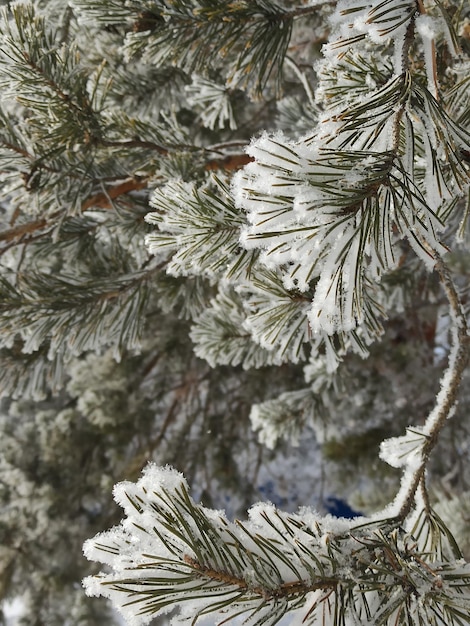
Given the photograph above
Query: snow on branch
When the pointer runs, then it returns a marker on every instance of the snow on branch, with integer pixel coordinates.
(199, 226)
(170, 551)
(323, 218)
(328, 219)
(412, 450)
(221, 338)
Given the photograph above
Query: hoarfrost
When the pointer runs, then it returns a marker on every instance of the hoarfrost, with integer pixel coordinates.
(425, 26)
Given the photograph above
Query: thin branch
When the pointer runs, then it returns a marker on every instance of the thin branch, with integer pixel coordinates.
(230, 163)
(104, 199)
(309, 10)
(17, 232)
(450, 384)
(226, 145)
(145, 454)
(137, 143)
(101, 200)
(297, 587)
(65, 97)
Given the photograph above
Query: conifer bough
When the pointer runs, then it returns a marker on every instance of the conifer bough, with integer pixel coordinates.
(327, 213)
(283, 177)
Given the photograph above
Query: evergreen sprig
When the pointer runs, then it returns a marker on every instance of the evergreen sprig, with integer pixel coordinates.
(171, 551)
(200, 228)
(250, 37)
(282, 276)
(47, 77)
(83, 315)
(221, 336)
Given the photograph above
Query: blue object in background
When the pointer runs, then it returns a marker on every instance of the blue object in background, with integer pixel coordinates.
(339, 508)
(269, 492)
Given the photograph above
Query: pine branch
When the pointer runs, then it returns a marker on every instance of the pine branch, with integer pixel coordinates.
(30, 375)
(171, 551)
(104, 199)
(220, 335)
(417, 446)
(373, 166)
(199, 227)
(18, 232)
(252, 37)
(33, 63)
(72, 316)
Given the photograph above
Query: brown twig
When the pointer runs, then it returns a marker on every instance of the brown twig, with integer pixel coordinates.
(18, 232)
(104, 199)
(230, 163)
(297, 587)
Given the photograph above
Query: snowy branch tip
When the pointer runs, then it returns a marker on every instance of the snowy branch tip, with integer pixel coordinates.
(172, 552)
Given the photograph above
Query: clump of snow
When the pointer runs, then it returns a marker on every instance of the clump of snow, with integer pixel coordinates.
(404, 451)
(426, 27)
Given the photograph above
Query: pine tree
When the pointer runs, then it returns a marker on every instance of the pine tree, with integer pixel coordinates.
(229, 229)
